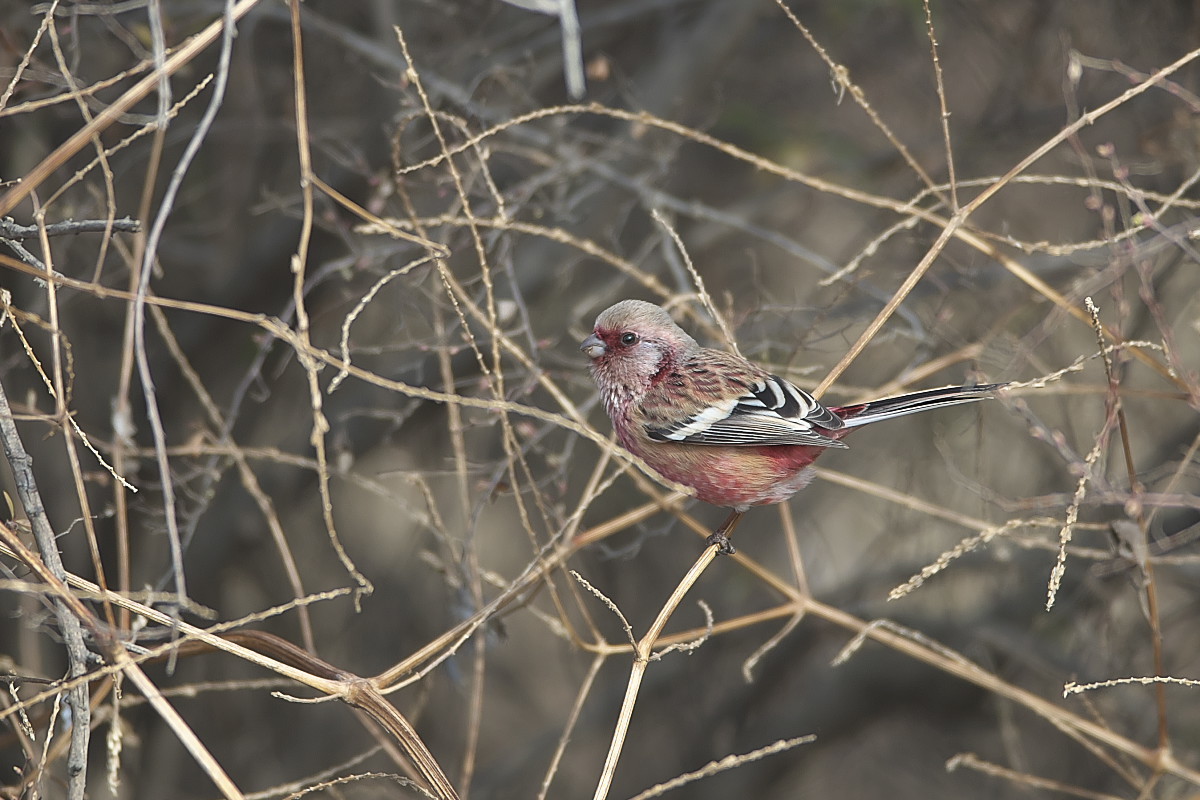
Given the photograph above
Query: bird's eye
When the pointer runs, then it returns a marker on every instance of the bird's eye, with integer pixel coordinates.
(629, 338)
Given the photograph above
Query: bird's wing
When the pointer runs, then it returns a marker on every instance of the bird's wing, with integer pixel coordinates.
(746, 411)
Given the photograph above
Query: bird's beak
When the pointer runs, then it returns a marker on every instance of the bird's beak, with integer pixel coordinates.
(593, 346)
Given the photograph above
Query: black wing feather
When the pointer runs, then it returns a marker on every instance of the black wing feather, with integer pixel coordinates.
(770, 412)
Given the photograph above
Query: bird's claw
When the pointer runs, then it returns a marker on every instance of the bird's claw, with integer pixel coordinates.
(724, 546)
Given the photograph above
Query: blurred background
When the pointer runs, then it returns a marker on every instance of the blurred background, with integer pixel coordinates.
(804, 168)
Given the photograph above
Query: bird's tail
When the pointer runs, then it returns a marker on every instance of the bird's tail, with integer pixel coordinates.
(905, 404)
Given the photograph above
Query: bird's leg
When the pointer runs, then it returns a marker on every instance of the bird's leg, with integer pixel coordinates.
(720, 537)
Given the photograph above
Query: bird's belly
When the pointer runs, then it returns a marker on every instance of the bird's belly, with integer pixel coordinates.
(733, 477)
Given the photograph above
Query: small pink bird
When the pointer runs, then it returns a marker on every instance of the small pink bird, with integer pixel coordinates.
(711, 420)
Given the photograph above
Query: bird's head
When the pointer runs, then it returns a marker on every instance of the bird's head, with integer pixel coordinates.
(631, 343)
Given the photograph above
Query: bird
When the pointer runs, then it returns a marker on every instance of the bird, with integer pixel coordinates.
(733, 433)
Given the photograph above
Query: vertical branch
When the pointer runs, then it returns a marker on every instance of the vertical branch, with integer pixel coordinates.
(138, 311)
(1146, 563)
(72, 632)
(495, 376)
(122, 415)
(302, 344)
(59, 388)
(698, 281)
(645, 648)
(945, 112)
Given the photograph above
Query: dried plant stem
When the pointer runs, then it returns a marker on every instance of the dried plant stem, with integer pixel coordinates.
(642, 658)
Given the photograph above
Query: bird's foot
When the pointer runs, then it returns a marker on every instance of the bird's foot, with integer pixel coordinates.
(724, 546)
(720, 537)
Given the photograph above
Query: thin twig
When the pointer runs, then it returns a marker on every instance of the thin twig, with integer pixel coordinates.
(940, 82)
(11, 230)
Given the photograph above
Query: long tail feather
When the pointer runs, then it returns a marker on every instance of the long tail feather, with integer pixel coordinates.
(905, 404)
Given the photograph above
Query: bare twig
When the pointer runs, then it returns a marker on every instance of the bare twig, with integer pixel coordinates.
(11, 230)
